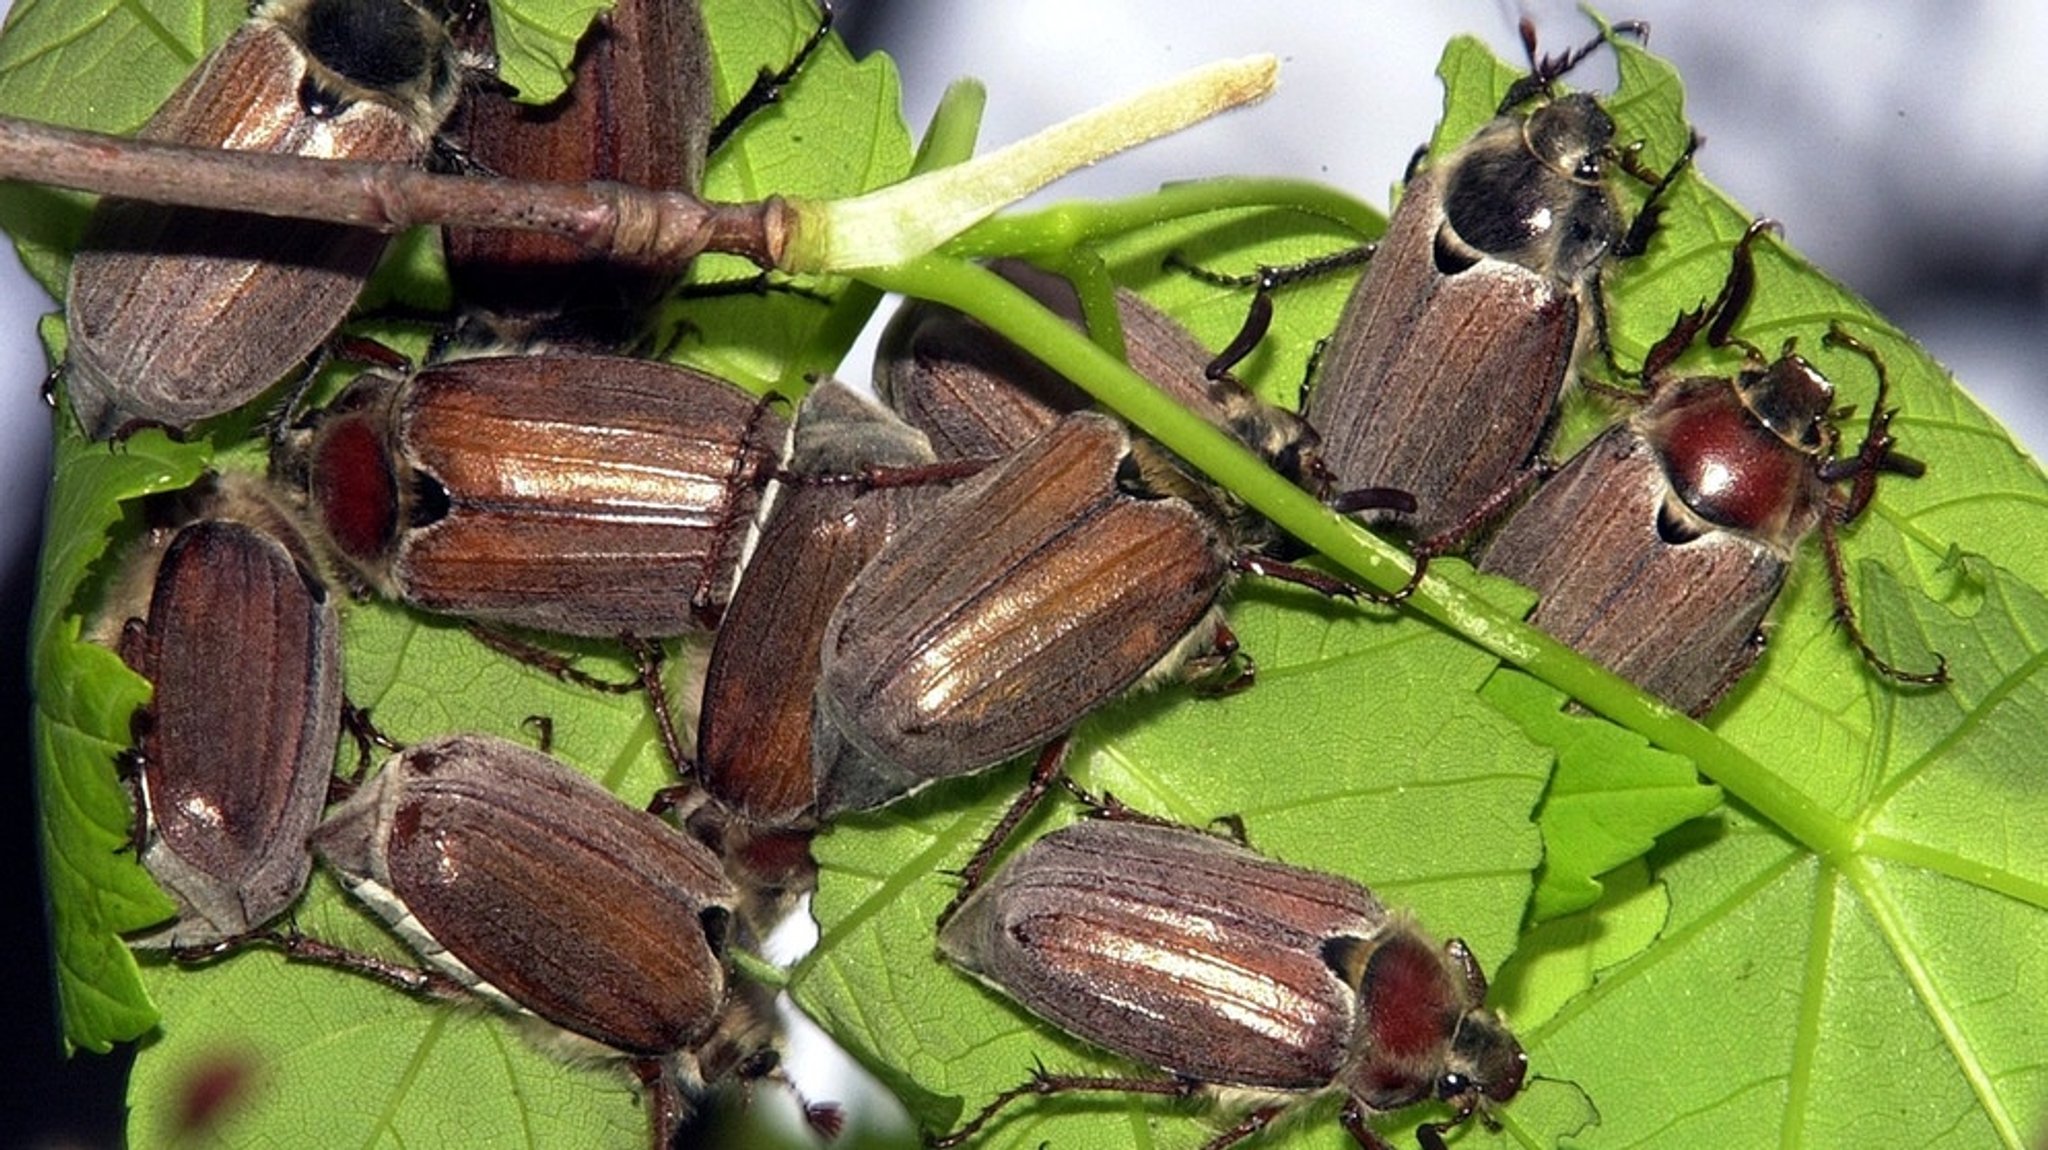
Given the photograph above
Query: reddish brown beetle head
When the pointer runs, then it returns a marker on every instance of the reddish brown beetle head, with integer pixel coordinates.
(1422, 1031)
(1742, 454)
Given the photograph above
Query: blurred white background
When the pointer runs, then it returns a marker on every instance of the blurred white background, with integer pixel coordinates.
(1902, 143)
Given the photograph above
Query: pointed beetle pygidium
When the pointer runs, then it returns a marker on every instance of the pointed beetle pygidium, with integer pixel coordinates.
(580, 495)
(233, 756)
(1195, 956)
(175, 315)
(1659, 548)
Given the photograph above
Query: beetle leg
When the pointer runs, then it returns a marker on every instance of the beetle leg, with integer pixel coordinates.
(651, 656)
(1637, 239)
(1252, 563)
(1266, 280)
(1352, 1118)
(1049, 768)
(1845, 614)
(1454, 538)
(298, 947)
(1042, 1084)
(1251, 1124)
(356, 721)
(546, 661)
(767, 87)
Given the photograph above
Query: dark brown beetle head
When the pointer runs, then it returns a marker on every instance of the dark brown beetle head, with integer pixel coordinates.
(1532, 191)
(1570, 136)
(1792, 398)
(390, 52)
(1531, 188)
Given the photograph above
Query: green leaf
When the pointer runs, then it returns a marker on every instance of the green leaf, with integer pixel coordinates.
(1559, 959)
(1846, 951)
(84, 696)
(1611, 797)
(536, 41)
(837, 130)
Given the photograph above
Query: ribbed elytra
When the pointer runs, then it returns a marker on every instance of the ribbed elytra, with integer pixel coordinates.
(242, 647)
(175, 315)
(1058, 588)
(528, 882)
(1197, 957)
(580, 495)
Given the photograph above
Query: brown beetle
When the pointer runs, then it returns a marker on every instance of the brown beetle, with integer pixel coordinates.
(1447, 364)
(1032, 594)
(1444, 371)
(978, 396)
(526, 883)
(975, 394)
(177, 314)
(1198, 957)
(234, 754)
(754, 733)
(545, 891)
(638, 112)
(1660, 547)
(582, 495)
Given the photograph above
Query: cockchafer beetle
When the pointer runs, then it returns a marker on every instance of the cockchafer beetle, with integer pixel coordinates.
(176, 314)
(856, 475)
(1447, 363)
(1033, 593)
(234, 754)
(1661, 546)
(637, 112)
(978, 396)
(525, 883)
(1195, 956)
(581, 495)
